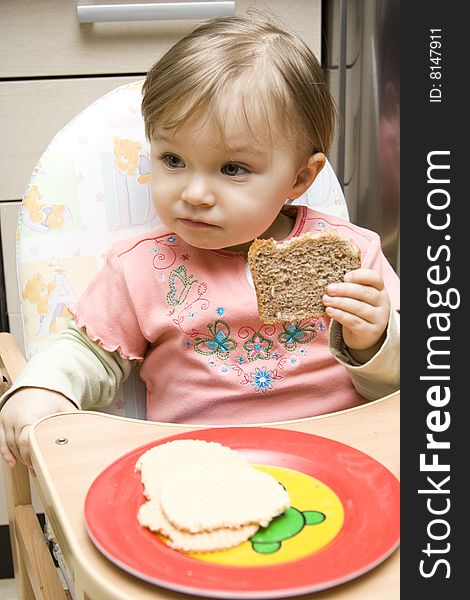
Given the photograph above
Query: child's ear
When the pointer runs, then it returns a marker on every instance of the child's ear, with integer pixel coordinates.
(307, 175)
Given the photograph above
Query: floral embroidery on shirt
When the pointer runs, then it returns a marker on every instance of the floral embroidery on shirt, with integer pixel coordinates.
(164, 255)
(262, 380)
(293, 334)
(258, 347)
(219, 343)
(180, 283)
(187, 312)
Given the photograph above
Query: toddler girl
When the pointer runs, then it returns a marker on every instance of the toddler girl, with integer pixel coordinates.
(239, 119)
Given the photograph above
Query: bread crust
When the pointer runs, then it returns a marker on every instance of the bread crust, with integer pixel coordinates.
(291, 277)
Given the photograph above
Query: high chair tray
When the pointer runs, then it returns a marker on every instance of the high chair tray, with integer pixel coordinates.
(343, 520)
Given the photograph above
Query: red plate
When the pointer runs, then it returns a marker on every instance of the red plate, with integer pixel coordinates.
(368, 492)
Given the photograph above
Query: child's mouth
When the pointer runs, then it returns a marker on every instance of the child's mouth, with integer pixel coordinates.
(190, 224)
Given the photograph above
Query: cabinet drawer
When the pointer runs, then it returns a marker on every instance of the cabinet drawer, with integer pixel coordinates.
(32, 113)
(44, 37)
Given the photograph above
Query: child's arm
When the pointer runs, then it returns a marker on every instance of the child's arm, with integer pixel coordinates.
(362, 305)
(72, 372)
(23, 408)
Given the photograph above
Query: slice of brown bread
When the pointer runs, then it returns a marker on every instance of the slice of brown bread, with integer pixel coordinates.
(291, 277)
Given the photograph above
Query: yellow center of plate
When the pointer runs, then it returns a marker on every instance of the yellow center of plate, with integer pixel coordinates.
(315, 517)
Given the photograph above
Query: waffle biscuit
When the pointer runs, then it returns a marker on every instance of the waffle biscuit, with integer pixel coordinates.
(150, 515)
(161, 463)
(211, 496)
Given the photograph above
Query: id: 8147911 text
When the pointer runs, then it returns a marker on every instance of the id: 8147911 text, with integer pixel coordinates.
(435, 70)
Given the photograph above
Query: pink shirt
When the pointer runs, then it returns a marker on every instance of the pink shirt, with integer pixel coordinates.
(190, 316)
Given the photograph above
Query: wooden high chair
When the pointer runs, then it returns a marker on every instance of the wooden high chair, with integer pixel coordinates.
(89, 189)
(35, 573)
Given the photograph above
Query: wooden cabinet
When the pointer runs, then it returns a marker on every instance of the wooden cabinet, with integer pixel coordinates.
(51, 67)
(44, 38)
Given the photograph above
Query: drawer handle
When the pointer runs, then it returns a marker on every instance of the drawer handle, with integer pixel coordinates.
(153, 11)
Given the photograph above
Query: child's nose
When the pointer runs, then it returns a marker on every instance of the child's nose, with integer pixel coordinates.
(198, 191)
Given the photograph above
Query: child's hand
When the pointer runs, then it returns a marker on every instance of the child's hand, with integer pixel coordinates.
(20, 411)
(362, 306)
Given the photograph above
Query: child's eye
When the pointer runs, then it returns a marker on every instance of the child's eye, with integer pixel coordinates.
(233, 170)
(173, 161)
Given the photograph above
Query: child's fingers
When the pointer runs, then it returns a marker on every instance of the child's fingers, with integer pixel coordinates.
(338, 292)
(349, 320)
(365, 277)
(358, 309)
(5, 446)
(358, 333)
(361, 305)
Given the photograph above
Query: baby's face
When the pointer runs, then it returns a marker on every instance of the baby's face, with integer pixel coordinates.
(221, 193)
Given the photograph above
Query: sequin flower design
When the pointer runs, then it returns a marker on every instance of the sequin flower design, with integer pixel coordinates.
(293, 334)
(262, 380)
(219, 343)
(258, 347)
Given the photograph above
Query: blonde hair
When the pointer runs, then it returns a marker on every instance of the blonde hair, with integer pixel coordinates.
(273, 72)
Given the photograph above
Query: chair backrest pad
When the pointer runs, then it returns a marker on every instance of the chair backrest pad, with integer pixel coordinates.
(89, 189)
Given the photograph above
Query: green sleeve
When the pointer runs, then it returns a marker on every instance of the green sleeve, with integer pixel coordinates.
(379, 376)
(77, 368)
